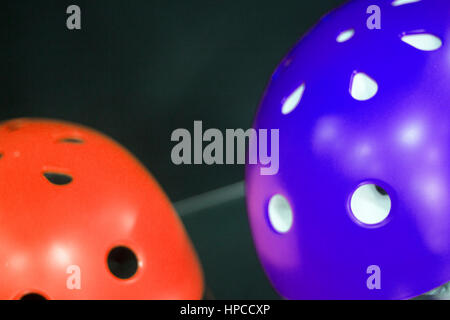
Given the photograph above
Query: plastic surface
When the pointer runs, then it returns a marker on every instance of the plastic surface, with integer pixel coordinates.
(111, 200)
(394, 133)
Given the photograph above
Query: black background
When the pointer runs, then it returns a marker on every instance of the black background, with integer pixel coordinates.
(137, 70)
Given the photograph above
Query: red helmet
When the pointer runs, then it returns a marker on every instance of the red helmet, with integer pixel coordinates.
(81, 218)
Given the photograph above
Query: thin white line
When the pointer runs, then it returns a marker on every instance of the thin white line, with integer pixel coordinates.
(210, 199)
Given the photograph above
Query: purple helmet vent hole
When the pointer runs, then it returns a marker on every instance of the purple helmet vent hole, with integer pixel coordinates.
(345, 35)
(291, 102)
(280, 214)
(397, 3)
(422, 41)
(370, 204)
(362, 86)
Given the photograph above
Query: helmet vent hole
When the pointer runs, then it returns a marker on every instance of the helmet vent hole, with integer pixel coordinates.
(32, 296)
(14, 125)
(370, 204)
(122, 262)
(362, 87)
(422, 41)
(58, 179)
(345, 35)
(291, 102)
(280, 214)
(72, 140)
(397, 3)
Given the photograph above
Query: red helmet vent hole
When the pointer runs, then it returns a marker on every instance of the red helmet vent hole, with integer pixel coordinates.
(122, 262)
(59, 179)
(33, 296)
(72, 140)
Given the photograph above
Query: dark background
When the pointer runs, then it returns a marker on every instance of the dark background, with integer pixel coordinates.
(137, 70)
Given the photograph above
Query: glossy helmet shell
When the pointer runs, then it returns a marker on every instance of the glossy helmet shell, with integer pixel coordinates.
(358, 106)
(69, 196)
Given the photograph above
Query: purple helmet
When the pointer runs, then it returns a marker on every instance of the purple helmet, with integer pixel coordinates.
(360, 206)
